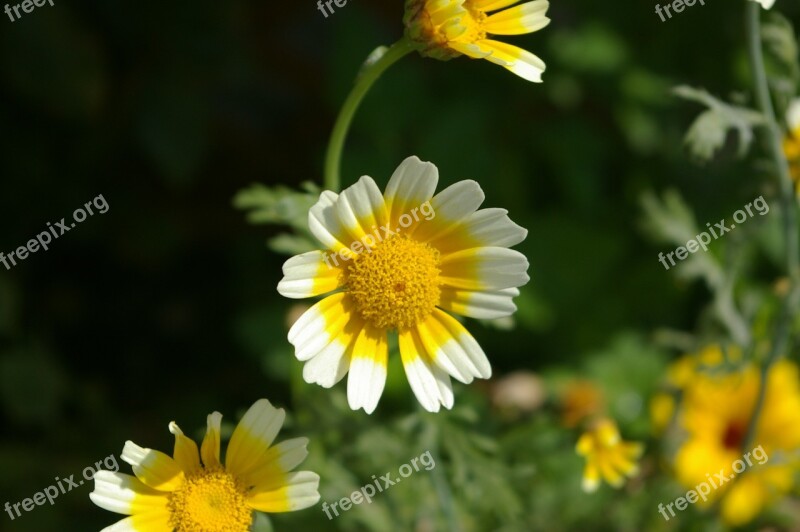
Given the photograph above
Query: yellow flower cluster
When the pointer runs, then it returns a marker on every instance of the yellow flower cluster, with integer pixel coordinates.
(718, 398)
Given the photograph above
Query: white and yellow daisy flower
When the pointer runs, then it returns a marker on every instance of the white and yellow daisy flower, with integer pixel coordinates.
(444, 29)
(180, 494)
(766, 4)
(402, 261)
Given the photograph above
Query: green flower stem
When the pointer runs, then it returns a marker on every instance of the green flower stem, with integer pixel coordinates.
(366, 79)
(788, 211)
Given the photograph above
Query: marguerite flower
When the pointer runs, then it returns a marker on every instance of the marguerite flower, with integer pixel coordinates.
(791, 143)
(182, 495)
(414, 259)
(444, 29)
(607, 456)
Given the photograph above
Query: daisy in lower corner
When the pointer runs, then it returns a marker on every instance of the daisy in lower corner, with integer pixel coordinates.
(402, 262)
(181, 494)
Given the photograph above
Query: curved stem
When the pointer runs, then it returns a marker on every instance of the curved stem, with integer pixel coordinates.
(366, 79)
(790, 301)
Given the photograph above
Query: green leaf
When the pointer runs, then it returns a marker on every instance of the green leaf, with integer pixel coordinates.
(708, 132)
(277, 205)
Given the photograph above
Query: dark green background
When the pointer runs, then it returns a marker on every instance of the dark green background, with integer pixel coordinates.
(165, 307)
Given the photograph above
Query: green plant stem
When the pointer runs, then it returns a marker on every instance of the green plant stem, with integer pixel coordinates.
(788, 204)
(431, 438)
(368, 76)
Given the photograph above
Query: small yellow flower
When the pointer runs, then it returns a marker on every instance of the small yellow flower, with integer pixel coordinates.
(715, 415)
(791, 143)
(179, 494)
(607, 456)
(402, 261)
(444, 29)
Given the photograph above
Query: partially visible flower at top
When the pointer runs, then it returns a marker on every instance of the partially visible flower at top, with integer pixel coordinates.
(607, 456)
(766, 4)
(179, 494)
(444, 29)
(719, 394)
(406, 274)
(791, 143)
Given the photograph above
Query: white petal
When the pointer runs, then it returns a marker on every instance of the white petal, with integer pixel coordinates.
(253, 435)
(310, 274)
(125, 494)
(324, 224)
(361, 209)
(430, 384)
(411, 185)
(450, 206)
(328, 366)
(320, 325)
(153, 468)
(453, 348)
(368, 363)
(521, 62)
(149, 522)
(483, 228)
(482, 305)
(299, 491)
(487, 268)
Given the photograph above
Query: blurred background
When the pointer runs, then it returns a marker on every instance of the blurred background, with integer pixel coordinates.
(164, 308)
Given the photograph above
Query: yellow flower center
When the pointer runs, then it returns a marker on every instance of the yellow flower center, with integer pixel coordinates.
(396, 284)
(473, 21)
(211, 501)
(432, 26)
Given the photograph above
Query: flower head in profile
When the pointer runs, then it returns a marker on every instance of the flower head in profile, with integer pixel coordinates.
(403, 261)
(181, 494)
(791, 143)
(607, 456)
(718, 401)
(444, 29)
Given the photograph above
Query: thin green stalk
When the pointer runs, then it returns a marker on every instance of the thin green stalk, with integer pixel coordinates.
(431, 440)
(788, 203)
(367, 78)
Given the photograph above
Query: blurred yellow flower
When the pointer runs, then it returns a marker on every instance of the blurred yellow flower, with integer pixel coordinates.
(580, 400)
(406, 274)
(715, 414)
(180, 494)
(444, 29)
(607, 456)
(791, 143)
